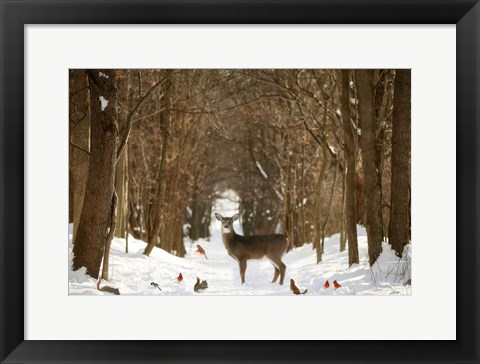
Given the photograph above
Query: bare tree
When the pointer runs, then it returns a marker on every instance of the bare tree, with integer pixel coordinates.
(399, 232)
(79, 140)
(90, 241)
(368, 143)
(350, 171)
(159, 197)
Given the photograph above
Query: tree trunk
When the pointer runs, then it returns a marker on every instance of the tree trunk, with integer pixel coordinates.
(200, 220)
(127, 202)
(350, 190)
(399, 230)
(158, 202)
(111, 232)
(303, 225)
(94, 220)
(370, 163)
(121, 178)
(343, 235)
(318, 197)
(79, 143)
(121, 187)
(327, 218)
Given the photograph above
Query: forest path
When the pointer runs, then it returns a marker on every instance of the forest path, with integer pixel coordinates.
(134, 272)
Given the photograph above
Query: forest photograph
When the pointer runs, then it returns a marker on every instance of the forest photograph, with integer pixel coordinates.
(239, 182)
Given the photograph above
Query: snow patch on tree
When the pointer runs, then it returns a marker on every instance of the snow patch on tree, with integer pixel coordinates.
(103, 103)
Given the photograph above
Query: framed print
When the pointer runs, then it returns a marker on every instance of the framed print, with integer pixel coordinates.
(229, 118)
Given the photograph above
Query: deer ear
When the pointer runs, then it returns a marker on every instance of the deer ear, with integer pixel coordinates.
(235, 217)
(218, 216)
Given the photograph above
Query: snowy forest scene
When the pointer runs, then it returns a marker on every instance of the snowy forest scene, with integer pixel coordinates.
(247, 182)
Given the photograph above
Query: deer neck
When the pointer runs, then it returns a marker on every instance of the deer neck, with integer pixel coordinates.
(227, 237)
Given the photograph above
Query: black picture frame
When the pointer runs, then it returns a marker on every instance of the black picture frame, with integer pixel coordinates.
(15, 14)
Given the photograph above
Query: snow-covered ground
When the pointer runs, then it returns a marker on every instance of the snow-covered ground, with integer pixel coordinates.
(133, 273)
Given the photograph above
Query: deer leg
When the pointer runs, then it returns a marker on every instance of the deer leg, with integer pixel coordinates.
(280, 267)
(283, 269)
(276, 274)
(243, 267)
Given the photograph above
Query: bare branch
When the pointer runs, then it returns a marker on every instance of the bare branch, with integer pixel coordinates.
(131, 114)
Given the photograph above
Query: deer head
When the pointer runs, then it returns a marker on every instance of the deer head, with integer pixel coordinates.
(227, 222)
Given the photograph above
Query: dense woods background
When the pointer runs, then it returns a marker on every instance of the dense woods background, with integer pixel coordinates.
(309, 153)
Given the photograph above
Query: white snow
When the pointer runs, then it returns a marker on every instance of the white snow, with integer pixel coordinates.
(133, 273)
(104, 102)
(101, 74)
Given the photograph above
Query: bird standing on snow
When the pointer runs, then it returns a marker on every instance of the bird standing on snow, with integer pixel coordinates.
(200, 250)
(180, 278)
(155, 285)
(326, 285)
(200, 286)
(336, 284)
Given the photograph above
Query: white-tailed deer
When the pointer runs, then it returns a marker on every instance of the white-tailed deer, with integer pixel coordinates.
(242, 248)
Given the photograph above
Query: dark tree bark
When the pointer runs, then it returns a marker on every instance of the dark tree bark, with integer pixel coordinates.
(370, 163)
(327, 218)
(319, 189)
(79, 143)
(399, 231)
(109, 238)
(95, 217)
(350, 190)
(122, 189)
(343, 235)
(318, 197)
(158, 203)
(121, 178)
(72, 112)
(200, 220)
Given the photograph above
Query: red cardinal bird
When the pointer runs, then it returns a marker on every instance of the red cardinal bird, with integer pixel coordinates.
(200, 250)
(336, 284)
(327, 284)
(180, 278)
